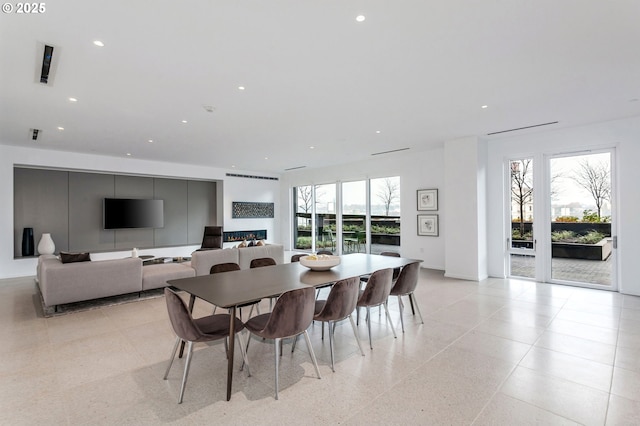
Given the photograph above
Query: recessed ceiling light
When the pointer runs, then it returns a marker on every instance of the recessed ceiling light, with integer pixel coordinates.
(128, 154)
(73, 100)
(150, 141)
(233, 166)
(378, 131)
(98, 43)
(484, 106)
(360, 18)
(184, 121)
(312, 147)
(266, 158)
(60, 128)
(241, 87)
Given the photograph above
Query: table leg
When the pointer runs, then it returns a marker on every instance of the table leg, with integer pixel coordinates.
(232, 336)
(192, 301)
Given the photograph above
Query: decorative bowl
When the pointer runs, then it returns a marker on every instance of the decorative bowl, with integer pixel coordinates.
(320, 262)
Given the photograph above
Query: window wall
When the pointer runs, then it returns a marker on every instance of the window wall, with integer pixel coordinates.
(350, 217)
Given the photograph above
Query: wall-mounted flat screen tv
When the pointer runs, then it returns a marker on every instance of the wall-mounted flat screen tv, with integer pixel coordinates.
(122, 213)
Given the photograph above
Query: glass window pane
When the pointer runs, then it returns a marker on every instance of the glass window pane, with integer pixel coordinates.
(303, 199)
(354, 215)
(325, 232)
(385, 215)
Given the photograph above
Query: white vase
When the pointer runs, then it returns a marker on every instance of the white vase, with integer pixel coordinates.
(46, 244)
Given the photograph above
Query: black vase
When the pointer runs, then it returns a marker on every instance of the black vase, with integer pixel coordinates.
(27, 242)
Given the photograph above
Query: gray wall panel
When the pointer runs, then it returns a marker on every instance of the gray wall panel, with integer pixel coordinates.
(175, 196)
(202, 208)
(40, 202)
(134, 187)
(86, 194)
(69, 205)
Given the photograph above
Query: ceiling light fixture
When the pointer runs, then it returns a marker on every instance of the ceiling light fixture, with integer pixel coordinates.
(312, 147)
(128, 154)
(241, 87)
(484, 106)
(150, 141)
(360, 18)
(98, 43)
(60, 128)
(184, 121)
(378, 131)
(73, 100)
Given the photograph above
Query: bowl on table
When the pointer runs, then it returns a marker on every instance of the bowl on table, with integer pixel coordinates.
(320, 262)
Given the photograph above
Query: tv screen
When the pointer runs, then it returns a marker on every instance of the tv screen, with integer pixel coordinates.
(120, 213)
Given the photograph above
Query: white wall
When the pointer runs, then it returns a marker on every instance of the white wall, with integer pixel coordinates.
(417, 170)
(622, 134)
(465, 182)
(234, 189)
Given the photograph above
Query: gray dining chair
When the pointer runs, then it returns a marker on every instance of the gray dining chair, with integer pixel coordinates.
(228, 267)
(405, 286)
(190, 330)
(292, 314)
(376, 293)
(339, 305)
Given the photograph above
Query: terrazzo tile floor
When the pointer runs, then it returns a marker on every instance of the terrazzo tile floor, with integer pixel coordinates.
(498, 352)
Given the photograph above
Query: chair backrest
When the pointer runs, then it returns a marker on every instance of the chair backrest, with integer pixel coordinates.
(396, 271)
(407, 280)
(224, 267)
(212, 237)
(341, 301)
(296, 257)
(262, 261)
(378, 288)
(181, 319)
(325, 252)
(292, 313)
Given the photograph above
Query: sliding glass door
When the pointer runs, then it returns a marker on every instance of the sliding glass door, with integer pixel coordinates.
(521, 244)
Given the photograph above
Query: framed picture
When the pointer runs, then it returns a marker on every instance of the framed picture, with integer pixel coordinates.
(427, 199)
(428, 225)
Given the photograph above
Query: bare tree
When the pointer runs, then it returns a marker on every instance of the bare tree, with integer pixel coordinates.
(594, 177)
(521, 187)
(388, 194)
(304, 198)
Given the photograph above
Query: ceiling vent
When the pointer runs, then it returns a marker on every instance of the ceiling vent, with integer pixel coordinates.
(522, 128)
(294, 168)
(47, 57)
(389, 152)
(34, 133)
(251, 176)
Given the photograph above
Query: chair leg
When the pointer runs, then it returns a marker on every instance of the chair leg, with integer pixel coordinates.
(413, 309)
(369, 327)
(293, 345)
(173, 355)
(311, 353)
(355, 333)
(401, 306)
(386, 309)
(414, 301)
(245, 360)
(276, 345)
(330, 345)
(186, 371)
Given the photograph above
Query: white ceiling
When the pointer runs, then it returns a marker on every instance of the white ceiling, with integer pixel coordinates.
(417, 71)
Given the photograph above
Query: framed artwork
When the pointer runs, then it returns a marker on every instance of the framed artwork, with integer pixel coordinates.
(246, 210)
(428, 225)
(427, 199)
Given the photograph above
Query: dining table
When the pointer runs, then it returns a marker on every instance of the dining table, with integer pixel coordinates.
(231, 289)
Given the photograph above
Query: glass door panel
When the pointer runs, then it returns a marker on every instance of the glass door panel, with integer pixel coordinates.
(354, 216)
(385, 215)
(302, 227)
(521, 243)
(325, 218)
(581, 211)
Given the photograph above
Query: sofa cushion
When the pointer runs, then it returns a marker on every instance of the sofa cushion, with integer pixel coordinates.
(156, 276)
(66, 257)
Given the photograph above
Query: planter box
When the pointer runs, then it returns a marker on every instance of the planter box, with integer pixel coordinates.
(599, 251)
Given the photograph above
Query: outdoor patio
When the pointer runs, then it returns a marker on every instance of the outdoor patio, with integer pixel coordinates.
(588, 271)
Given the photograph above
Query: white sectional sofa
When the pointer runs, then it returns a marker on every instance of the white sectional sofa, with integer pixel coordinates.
(62, 283)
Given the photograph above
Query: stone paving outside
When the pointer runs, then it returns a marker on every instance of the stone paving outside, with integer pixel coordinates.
(579, 270)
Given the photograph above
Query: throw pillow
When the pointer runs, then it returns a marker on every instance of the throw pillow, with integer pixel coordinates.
(260, 243)
(66, 257)
(242, 244)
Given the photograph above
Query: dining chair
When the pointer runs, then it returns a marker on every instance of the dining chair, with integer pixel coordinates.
(376, 293)
(296, 257)
(262, 261)
(406, 286)
(292, 315)
(195, 330)
(228, 267)
(339, 305)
